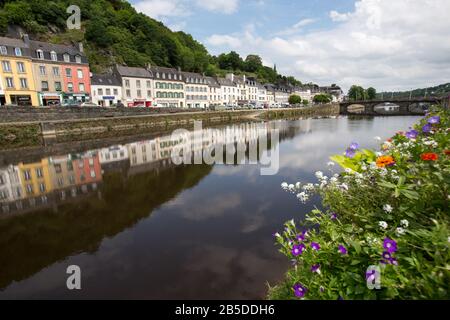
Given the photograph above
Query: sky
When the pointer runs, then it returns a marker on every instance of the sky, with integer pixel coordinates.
(391, 45)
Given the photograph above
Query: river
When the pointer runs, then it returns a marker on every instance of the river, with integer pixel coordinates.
(140, 227)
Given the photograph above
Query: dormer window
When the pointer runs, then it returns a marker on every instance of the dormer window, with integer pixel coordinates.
(157, 75)
(170, 76)
(40, 54)
(163, 75)
(66, 57)
(53, 56)
(77, 59)
(3, 50)
(18, 52)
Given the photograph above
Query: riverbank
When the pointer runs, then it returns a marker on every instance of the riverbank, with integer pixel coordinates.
(87, 124)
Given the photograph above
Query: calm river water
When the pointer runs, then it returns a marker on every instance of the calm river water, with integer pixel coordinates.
(140, 227)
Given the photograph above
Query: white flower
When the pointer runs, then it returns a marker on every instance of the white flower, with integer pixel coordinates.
(363, 167)
(278, 235)
(333, 180)
(330, 164)
(291, 187)
(387, 208)
(383, 224)
(348, 170)
(297, 185)
(400, 231)
(284, 185)
(377, 138)
(319, 174)
(303, 196)
(344, 187)
(404, 223)
(292, 222)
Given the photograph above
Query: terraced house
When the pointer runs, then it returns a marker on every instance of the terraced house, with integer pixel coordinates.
(169, 87)
(16, 73)
(197, 90)
(137, 86)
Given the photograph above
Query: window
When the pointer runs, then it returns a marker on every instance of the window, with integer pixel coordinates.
(6, 66)
(77, 59)
(93, 175)
(163, 75)
(29, 189)
(116, 92)
(68, 72)
(18, 52)
(138, 83)
(44, 85)
(40, 54)
(58, 168)
(58, 86)
(127, 83)
(53, 56)
(70, 87)
(80, 74)
(39, 172)
(148, 84)
(100, 92)
(23, 83)
(9, 82)
(108, 91)
(81, 87)
(128, 93)
(149, 94)
(21, 67)
(66, 57)
(56, 71)
(42, 187)
(3, 50)
(27, 175)
(42, 70)
(139, 94)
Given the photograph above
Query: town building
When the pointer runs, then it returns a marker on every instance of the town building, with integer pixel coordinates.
(169, 91)
(215, 92)
(304, 93)
(62, 171)
(270, 94)
(35, 178)
(16, 73)
(10, 184)
(197, 90)
(262, 97)
(106, 90)
(282, 94)
(240, 82)
(61, 73)
(251, 90)
(335, 91)
(229, 91)
(137, 86)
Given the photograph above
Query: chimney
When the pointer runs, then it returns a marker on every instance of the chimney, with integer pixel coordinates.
(179, 69)
(26, 39)
(148, 66)
(80, 47)
(244, 77)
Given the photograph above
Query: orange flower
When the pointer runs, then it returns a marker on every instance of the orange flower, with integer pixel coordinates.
(384, 161)
(429, 157)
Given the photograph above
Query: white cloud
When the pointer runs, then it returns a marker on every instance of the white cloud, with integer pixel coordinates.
(296, 28)
(336, 16)
(392, 45)
(224, 6)
(158, 9)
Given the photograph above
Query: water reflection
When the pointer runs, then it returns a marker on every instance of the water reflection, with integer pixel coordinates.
(141, 227)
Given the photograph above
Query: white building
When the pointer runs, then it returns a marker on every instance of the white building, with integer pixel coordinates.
(143, 152)
(303, 93)
(229, 91)
(240, 82)
(169, 91)
(113, 154)
(196, 90)
(251, 90)
(262, 97)
(215, 92)
(106, 90)
(10, 184)
(137, 86)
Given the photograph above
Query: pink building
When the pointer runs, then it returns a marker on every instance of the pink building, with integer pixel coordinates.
(87, 169)
(77, 82)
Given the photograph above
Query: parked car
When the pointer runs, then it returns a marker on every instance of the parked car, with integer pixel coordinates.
(89, 104)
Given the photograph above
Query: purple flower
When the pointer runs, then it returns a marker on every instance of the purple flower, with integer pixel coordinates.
(342, 249)
(302, 236)
(354, 146)
(315, 246)
(412, 134)
(426, 128)
(350, 153)
(333, 216)
(386, 255)
(315, 268)
(434, 120)
(370, 275)
(322, 289)
(390, 245)
(299, 290)
(298, 249)
(393, 261)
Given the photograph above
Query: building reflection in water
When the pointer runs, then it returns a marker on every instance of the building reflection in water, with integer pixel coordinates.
(53, 180)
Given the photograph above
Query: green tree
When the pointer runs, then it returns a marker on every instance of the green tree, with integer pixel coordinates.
(295, 99)
(371, 93)
(322, 98)
(356, 93)
(305, 102)
(253, 62)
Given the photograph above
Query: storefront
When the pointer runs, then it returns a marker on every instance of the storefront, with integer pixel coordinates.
(70, 98)
(50, 99)
(21, 100)
(140, 103)
(169, 104)
(106, 101)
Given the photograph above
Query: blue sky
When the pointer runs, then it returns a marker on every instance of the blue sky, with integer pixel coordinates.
(389, 44)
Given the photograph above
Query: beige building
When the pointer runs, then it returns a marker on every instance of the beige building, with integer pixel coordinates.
(169, 87)
(197, 90)
(137, 86)
(229, 91)
(251, 90)
(240, 82)
(214, 92)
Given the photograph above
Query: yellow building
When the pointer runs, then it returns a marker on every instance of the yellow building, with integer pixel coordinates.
(35, 177)
(16, 73)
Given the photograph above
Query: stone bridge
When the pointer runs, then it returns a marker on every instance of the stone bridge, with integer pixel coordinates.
(386, 107)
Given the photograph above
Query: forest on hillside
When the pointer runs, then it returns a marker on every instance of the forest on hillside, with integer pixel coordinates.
(113, 32)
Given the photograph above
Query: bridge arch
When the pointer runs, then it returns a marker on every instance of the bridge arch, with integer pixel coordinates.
(386, 108)
(419, 107)
(356, 108)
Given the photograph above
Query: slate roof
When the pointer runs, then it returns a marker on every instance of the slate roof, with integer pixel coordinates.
(104, 80)
(133, 72)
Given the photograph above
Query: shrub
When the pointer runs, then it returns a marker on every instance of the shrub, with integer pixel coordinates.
(386, 217)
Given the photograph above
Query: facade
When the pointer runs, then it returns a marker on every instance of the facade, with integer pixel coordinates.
(262, 98)
(251, 90)
(35, 178)
(215, 92)
(282, 94)
(106, 90)
(62, 172)
(240, 82)
(335, 91)
(137, 86)
(169, 91)
(10, 184)
(61, 73)
(229, 91)
(197, 90)
(16, 73)
(87, 168)
(143, 152)
(303, 93)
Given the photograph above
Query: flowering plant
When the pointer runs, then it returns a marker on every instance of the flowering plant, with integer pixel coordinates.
(386, 219)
